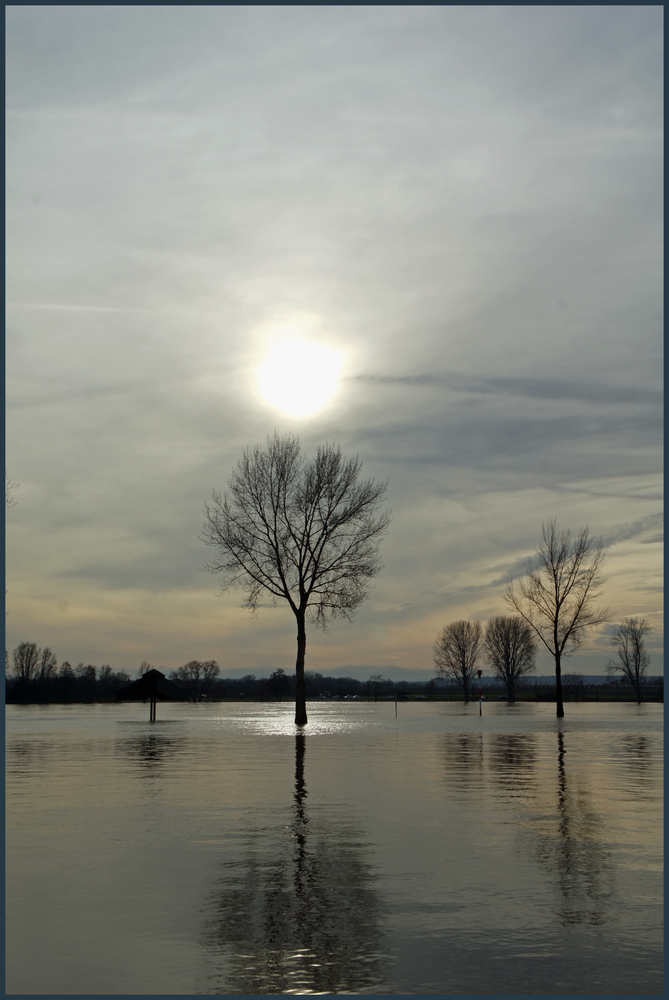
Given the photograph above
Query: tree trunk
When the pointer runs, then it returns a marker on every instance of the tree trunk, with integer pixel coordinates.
(300, 689)
(558, 688)
(511, 691)
(466, 689)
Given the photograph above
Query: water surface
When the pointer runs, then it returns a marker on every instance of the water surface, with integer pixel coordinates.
(219, 851)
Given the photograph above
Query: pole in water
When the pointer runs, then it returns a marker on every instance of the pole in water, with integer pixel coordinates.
(479, 672)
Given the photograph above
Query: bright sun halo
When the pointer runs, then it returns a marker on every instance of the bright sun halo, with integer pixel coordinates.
(300, 377)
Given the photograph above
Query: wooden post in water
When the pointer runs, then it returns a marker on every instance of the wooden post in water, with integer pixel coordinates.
(152, 711)
(479, 672)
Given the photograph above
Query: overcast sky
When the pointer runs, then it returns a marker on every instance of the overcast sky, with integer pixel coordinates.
(464, 202)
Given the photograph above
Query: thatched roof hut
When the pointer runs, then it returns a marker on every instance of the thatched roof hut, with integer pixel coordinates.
(152, 686)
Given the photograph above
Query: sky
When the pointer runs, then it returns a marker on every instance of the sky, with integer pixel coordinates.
(462, 204)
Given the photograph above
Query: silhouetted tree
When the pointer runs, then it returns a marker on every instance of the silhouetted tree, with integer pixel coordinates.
(303, 532)
(509, 644)
(25, 659)
(106, 685)
(456, 651)
(67, 682)
(86, 688)
(633, 660)
(556, 596)
(247, 685)
(374, 682)
(196, 677)
(46, 670)
(279, 683)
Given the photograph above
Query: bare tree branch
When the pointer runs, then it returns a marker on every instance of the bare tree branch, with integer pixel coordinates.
(9, 486)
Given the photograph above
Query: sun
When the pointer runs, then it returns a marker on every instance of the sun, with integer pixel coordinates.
(300, 377)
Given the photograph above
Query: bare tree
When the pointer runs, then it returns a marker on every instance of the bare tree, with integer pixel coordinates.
(106, 680)
(633, 660)
(510, 646)
(196, 677)
(303, 532)
(456, 651)
(556, 597)
(9, 486)
(374, 682)
(46, 670)
(279, 682)
(26, 659)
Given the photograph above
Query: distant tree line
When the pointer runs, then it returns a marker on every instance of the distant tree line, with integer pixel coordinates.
(34, 676)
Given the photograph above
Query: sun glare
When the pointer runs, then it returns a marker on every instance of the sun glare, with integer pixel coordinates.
(300, 377)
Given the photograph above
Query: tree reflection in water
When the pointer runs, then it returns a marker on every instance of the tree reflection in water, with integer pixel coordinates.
(513, 756)
(463, 753)
(299, 914)
(567, 839)
(576, 855)
(637, 755)
(151, 751)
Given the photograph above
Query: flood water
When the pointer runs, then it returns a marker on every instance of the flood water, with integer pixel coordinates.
(217, 851)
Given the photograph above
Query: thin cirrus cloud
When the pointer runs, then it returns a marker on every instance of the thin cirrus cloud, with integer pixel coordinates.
(523, 387)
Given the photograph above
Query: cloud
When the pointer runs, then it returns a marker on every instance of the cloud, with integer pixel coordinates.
(633, 529)
(527, 388)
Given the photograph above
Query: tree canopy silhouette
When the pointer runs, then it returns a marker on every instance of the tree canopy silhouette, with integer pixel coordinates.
(456, 651)
(633, 659)
(556, 596)
(306, 532)
(510, 646)
(196, 677)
